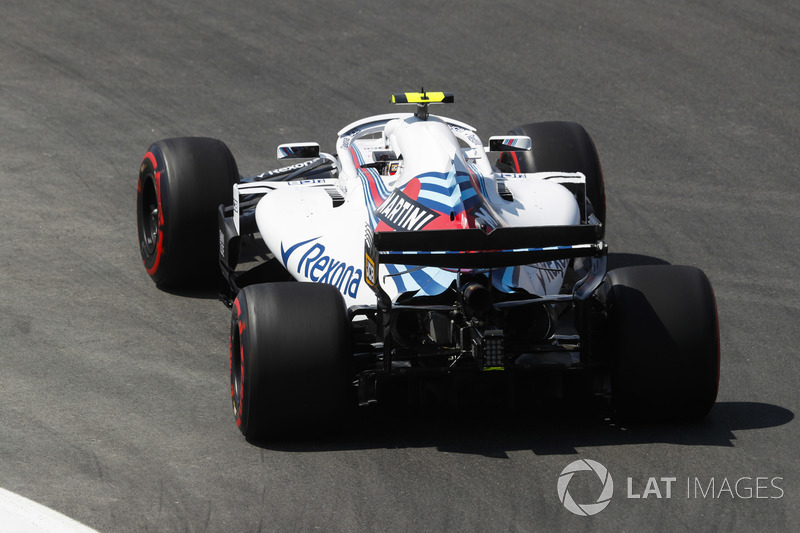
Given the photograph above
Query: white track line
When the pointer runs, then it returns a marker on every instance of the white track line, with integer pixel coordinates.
(18, 514)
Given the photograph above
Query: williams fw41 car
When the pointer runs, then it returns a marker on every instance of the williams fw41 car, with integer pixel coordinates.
(419, 259)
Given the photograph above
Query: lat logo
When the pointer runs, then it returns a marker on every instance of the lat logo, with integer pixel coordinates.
(585, 509)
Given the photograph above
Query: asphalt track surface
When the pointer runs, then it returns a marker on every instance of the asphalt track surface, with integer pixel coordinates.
(114, 395)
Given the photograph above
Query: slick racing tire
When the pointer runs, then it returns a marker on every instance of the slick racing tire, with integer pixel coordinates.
(182, 182)
(289, 360)
(664, 340)
(560, 147)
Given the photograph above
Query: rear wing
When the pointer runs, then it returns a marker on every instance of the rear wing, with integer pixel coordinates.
(476, 249)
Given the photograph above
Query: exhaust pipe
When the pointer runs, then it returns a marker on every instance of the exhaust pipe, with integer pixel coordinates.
(477, 299)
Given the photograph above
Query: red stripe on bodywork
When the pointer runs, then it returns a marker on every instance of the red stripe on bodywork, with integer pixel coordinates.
(368, 173)
(412, 189)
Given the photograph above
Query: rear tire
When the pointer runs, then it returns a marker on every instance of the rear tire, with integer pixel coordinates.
(289, 359)
(560, 147)
(182, 182)
(664, 340)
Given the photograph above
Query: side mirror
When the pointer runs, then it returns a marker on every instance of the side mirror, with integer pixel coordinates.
(510, 143)
(298, 150)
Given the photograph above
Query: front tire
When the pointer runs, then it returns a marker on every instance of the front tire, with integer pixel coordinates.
(664, 340)
(289, 359)
(182, 182)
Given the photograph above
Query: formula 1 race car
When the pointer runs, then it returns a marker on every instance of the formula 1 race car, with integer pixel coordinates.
(410, 260)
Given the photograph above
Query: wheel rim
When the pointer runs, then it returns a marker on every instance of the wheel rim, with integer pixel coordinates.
(236, 369)
(149, 215)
